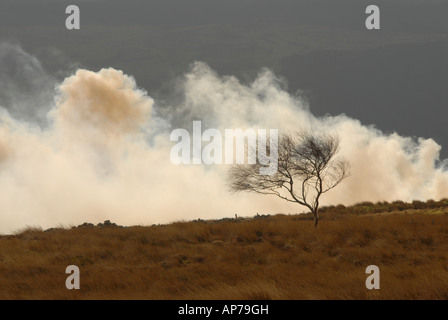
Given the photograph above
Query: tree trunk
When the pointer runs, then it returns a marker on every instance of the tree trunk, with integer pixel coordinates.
(316, 219)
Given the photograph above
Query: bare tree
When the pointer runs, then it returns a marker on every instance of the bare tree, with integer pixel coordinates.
(307, 168)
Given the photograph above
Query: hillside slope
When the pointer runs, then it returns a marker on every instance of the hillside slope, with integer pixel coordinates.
(267, 257)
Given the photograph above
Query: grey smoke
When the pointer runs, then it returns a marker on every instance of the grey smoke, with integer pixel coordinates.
(26, 88)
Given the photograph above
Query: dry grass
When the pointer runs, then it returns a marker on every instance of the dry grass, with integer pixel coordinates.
(276, 257)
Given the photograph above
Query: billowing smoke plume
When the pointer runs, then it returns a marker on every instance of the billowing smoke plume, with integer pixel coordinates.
(106, 153)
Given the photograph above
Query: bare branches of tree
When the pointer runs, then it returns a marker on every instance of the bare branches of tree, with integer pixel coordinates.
(308, 167)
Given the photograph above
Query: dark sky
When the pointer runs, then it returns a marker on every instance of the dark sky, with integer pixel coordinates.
(395, 78)
(400, 15)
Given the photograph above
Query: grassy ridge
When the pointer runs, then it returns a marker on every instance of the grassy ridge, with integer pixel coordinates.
(275, 257)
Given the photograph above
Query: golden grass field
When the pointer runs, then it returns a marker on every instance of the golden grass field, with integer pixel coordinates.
(269, 257)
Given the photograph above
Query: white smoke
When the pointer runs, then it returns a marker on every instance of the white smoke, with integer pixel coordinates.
(106, 153)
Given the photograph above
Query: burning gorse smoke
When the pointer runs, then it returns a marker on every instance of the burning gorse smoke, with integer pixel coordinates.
(105, 152)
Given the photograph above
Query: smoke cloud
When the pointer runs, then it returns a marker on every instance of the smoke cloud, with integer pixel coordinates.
(106, 152)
